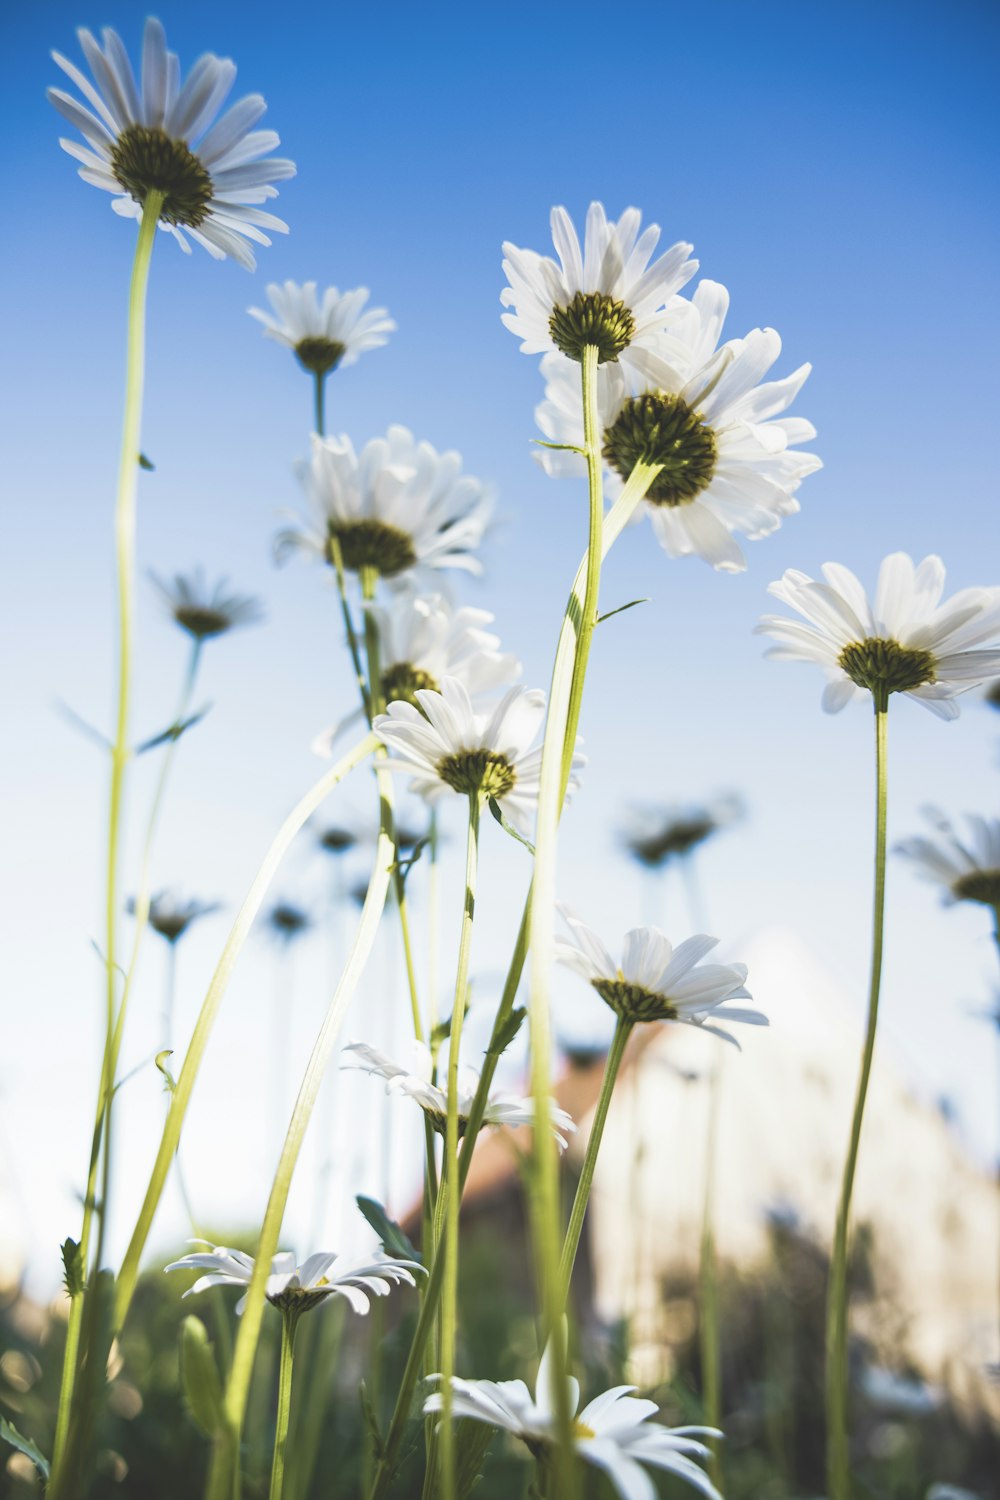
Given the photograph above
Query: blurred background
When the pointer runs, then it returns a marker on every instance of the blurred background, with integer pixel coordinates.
(833, 166)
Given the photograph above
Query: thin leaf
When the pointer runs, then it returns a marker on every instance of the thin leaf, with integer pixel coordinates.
(172, 731)
(73, 1275)
(169, 1082)
(200, 1379)
(560, 447)
(509, 1031)
(402, 867)
(497, 812)
(394, 1240)
(146, 463)
(24, 1445)
(621, 609)
(77, 722)
(472, 1442)
(371, 1421)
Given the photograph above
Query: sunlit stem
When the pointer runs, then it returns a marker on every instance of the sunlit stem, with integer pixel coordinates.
(210, 1006)
(838, 1449)
(289, 1323)
(124, 525)
(623, 1031)
(449, 1300)
(708, 1275)
(238, 1384)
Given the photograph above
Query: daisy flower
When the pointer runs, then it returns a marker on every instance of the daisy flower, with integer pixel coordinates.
(286, 921)
(397, 507)
(171, 917)
(324, 336)
(906, 641)
(656, 835)
(707, 415)
(205, 612)
(968, 871)
(295, 1288)
(416, 1081)
(448, 746)
(165, 138)
(658, 982)
(613, 1432)
(606, 294)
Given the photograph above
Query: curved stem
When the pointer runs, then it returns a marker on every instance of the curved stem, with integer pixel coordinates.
(623, 1030)
(225, 1456)
(289, 1321)
(210, 1006)
(124, 526)
(838, 1454)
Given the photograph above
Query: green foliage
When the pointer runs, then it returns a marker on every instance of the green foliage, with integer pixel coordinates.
(395, 1241)
(73, 1270)
(472, 1442)
(200, 1377)
(24, 1445)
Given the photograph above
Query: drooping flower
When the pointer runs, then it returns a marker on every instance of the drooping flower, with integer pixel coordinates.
(447, 746)
(608, 294)
(707, 415)
(295, 1287)
(416, 1082)
(326, 335)
(613, 1432)
(656, 981)
(906, 641)
(171, 916)
(397, 508)
(656, 835)
(160, 137)
(205, 612)
(965, 871)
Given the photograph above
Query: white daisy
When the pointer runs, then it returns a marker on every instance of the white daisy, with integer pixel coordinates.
(416, 1081)
(205, 612)
(613, 1432)
(658, 982)
(171, 916)
(907, 641)
(707, 415)
(298, 1287)
(968, 871)
(656, 835)
(447, 746)
(608, 294)
(324, 336)
(141, 140)
(399, 507)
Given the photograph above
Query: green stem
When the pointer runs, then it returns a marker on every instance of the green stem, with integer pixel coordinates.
(708, 1320)
(838, 1452)
(449, 1299)
(623, 1031)
(320, 403)
(225, 1456)
(213, 998)
(124, 526)
(289, 1321)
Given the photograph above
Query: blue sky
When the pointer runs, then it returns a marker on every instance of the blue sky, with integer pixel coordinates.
(832, 165)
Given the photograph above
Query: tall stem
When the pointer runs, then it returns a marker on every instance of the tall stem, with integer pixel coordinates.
(838, 1452)
(319, 394)
(124, 528)
(449, 1297)
(623, 1031)
(289, 1322)
(708, 1318)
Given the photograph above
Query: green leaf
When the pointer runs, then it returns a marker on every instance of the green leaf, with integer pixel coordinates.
(402, 867)
(560, 447)
(73, 1274)
(77, 722)
(146, 463)
(497, 812)
(24, 1445)
(472, 1442)
(200, 1377)
(508, 1031)
(169, 1082)
(440, 1033)
(394, 1240)
(621, 609)
(172, 732)
(371, 1420)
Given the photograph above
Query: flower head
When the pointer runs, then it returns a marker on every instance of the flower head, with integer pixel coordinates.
(325, 335)
(447, 745)
(205, 612)
(966, 871)
(297, 1288)
(164, 138)
(416, 1081)
(906, 641)
(396, 508)
(286, 921)
(613, 1432)
(658, 982)
(706, 415)
(171, 917)
(606, 294)
(657, 835)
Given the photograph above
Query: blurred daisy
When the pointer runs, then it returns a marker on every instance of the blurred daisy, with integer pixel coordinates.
(416, 1081)
(658, 982)
(205, 612)
(297, 1288)
(447, 746)
(286, 921)
(397, 507)
(900, 1395)
(141, 140)
(656, 835)
(336, 839)
(906, 641)
(613, 1432)
(968, 871)
(324, 335)
(606, 294)
(171, 917)
(707, 415)
(992, 694)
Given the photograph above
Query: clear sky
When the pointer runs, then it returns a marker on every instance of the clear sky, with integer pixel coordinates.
(833, 165)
